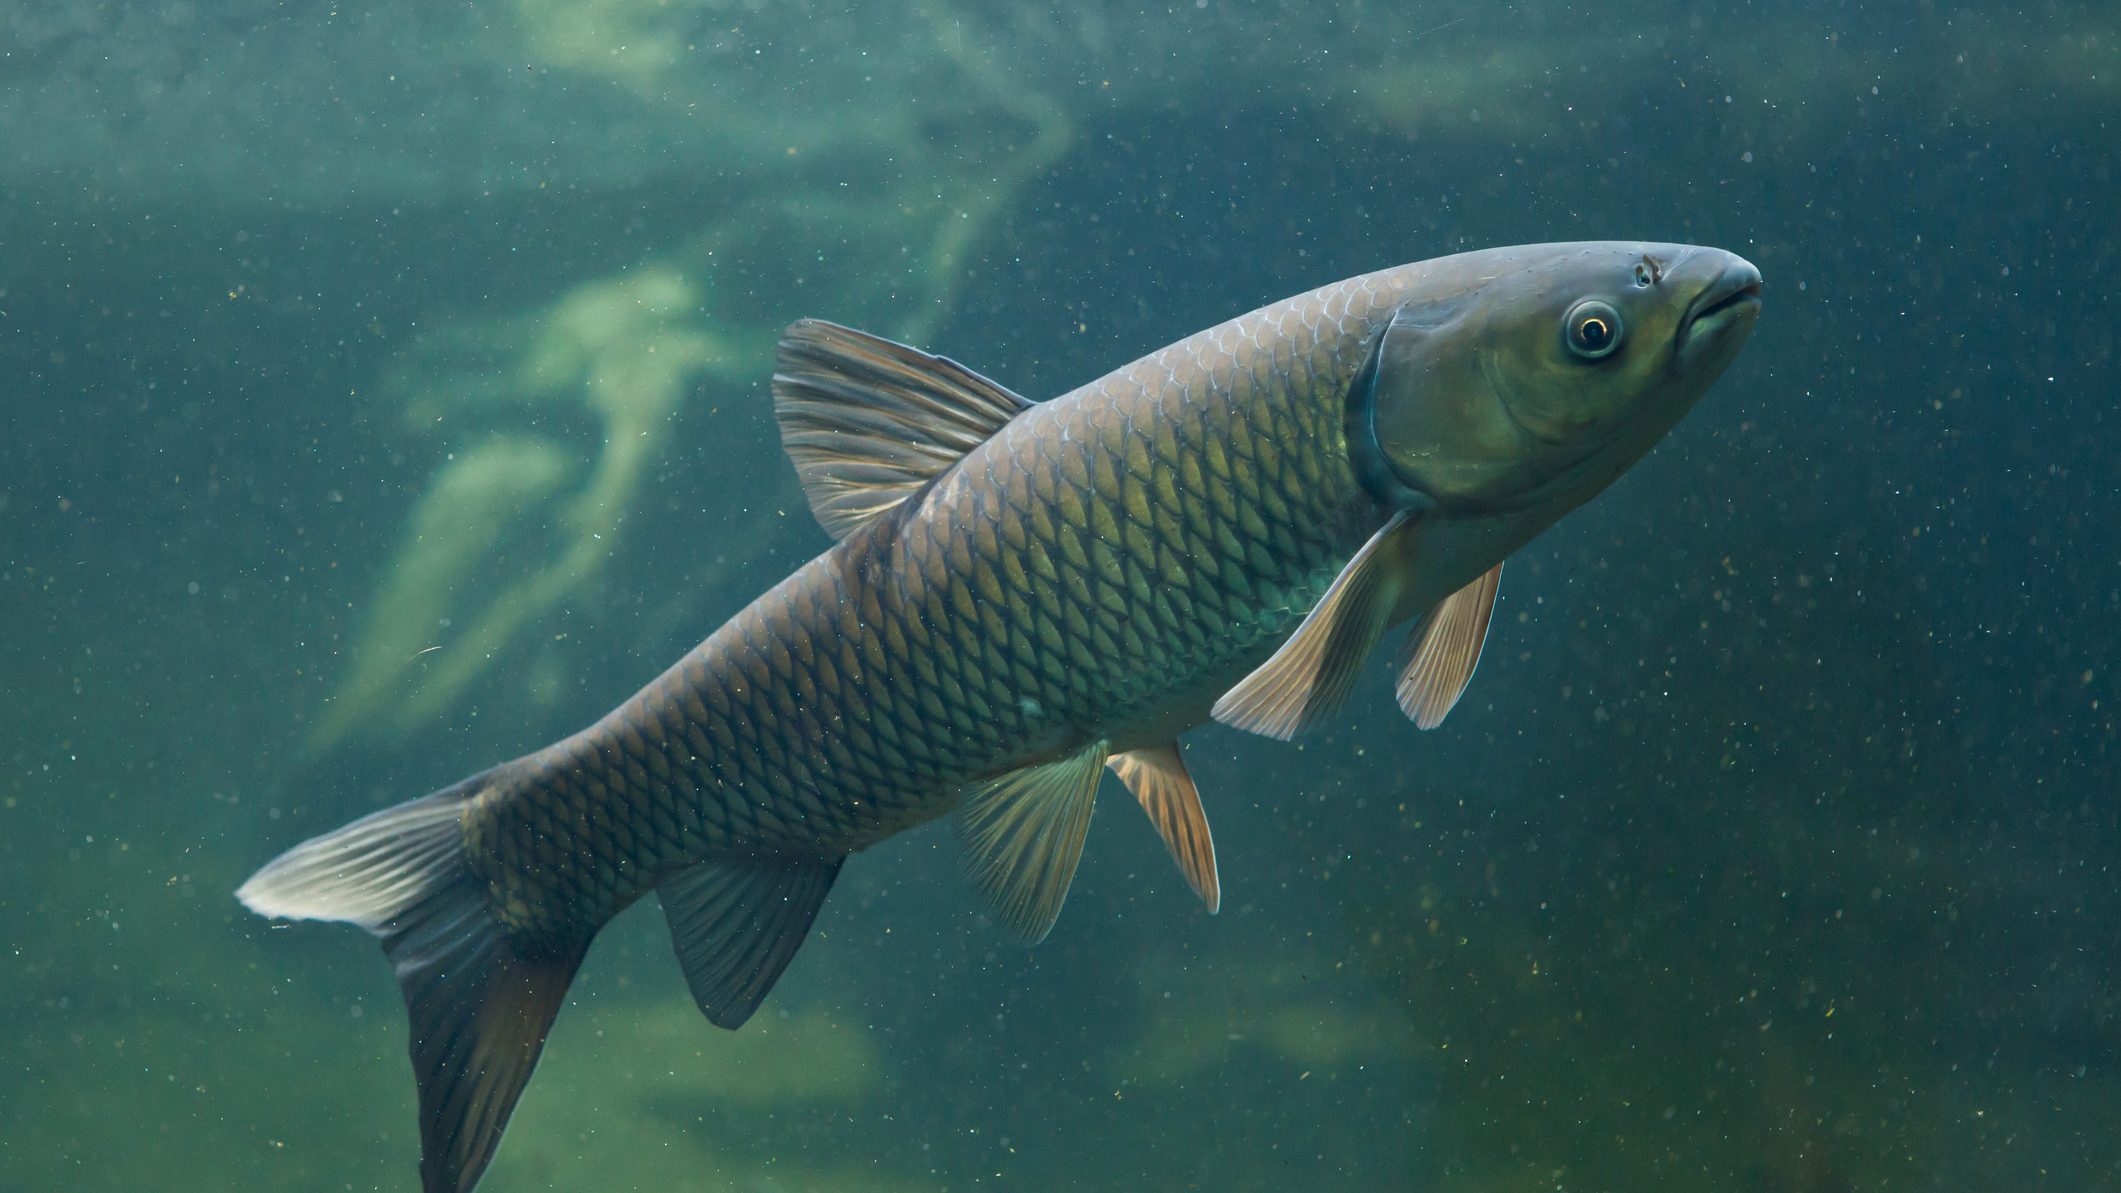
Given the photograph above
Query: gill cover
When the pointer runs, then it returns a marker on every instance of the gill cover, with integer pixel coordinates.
(1427, 427)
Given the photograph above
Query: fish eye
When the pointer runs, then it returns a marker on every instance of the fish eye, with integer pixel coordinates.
(1592, 329)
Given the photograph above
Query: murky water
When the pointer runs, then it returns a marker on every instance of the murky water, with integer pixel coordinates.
(382, 394)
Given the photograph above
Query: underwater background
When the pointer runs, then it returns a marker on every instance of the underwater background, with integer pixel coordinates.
(383, 394)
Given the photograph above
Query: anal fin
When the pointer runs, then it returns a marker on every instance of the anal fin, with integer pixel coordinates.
(1308, 679)
(737, 924)
(1438, 660)
(1158, 778)
(1023, 833)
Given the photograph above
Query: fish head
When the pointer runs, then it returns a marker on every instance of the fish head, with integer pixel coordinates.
(1520, 376)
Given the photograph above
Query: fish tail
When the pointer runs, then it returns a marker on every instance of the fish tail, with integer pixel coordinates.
(480, 999)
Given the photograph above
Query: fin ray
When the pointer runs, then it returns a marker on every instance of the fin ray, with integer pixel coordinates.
(370, 870)
(1308, 679)
(481, 1006)
(867, 421)
(737, 924)
(1023, 834)
(1158, 778)
(1438, 659)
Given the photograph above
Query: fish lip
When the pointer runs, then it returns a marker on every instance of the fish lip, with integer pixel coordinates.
(1734, 291)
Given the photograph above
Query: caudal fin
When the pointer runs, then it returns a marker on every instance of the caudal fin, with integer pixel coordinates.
(480, 1000)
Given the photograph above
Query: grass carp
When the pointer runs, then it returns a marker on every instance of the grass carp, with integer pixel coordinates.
(1024, 595)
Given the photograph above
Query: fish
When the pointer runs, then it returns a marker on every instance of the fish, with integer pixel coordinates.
(1023, 595)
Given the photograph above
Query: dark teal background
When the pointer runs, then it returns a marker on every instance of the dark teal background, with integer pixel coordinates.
(1774, 848)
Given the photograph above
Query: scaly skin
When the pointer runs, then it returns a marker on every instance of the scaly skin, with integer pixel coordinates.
(1100, 569)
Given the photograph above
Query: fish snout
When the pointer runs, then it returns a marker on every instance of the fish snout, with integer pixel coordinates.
(1727, 302)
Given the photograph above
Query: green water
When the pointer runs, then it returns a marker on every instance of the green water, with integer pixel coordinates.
(382, 394)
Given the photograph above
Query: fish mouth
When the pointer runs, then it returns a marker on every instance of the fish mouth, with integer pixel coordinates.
(1733, 297)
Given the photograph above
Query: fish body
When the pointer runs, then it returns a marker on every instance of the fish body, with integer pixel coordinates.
(1096, 569)
(1022, 595)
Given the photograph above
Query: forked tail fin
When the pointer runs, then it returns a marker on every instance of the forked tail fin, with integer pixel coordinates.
(480, 1000)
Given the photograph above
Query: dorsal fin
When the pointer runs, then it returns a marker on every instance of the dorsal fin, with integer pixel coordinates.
(1438, 659)
(867, 422)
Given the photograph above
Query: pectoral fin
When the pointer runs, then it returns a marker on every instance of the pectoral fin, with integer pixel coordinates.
(737, 924)
(1440, 654)
(1157, 777)
(868, 421)
(1309, 677)
(1023, 834)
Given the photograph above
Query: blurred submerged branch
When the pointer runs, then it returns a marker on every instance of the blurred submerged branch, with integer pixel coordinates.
(627, 350)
